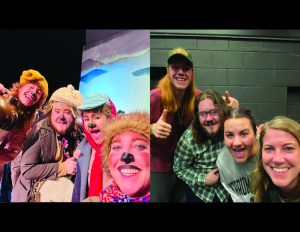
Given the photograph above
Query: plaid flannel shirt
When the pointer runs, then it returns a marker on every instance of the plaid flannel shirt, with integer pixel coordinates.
(193, 161)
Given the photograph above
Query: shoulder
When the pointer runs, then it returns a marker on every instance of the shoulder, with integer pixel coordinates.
(187, 135)
(155, 93)
(224, 157)
(42, 127)
(224, 152)
(36, 129)
(155, 104)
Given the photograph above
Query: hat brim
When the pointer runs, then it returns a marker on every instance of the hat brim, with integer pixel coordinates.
(89, 107)
(174, 57)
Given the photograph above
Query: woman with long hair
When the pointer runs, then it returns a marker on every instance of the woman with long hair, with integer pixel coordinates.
(276, 176)
(17, 111)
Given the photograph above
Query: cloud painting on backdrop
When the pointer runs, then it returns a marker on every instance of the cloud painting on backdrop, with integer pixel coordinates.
(118, 65)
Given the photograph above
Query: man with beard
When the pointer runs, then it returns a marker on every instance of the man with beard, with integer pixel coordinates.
(48, 150)
(198, 148)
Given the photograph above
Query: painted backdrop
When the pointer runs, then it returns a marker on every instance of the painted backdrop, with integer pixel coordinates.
(120, 67)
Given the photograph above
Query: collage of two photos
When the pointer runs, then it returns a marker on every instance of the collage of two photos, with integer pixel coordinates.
(159, 116)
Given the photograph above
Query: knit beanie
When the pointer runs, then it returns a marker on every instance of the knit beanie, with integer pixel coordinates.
(33, 76)
(138, 122)
(67, 95)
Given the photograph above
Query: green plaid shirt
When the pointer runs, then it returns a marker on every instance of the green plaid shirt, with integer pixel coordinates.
(193, 161)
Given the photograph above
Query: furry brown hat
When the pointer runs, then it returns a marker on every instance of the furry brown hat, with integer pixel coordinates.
(136, 121)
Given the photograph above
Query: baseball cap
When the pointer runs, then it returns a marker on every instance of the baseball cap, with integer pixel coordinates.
(182, 52)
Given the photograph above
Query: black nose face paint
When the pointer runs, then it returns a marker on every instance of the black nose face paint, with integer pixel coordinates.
(32, 94)
(62, 118)
(91, 125)
(127, 158)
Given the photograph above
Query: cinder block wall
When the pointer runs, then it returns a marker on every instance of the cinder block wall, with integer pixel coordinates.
(262, 73)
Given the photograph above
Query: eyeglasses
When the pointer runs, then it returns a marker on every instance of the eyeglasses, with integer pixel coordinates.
(212, 113)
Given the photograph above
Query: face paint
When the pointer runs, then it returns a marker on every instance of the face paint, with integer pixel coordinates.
(127, 158)
(129, 162)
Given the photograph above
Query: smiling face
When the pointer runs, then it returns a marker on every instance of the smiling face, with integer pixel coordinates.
(180, 73)
(30, 94)
(94, 123)
(209, 117)
(129, 162)
(240, 139)
(281, 158)
(61, 118)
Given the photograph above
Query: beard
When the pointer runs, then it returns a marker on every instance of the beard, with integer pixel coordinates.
(63, 131)
(211, 135)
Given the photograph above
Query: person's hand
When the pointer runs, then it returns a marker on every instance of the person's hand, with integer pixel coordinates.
(212, 177)
(230, 101)
(161, 129)
(258, 130)
(76, 154)
(2, 89)
(71, 166)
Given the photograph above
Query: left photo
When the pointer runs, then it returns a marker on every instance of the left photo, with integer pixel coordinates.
(75, 116)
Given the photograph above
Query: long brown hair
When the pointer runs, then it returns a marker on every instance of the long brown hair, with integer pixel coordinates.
(168, 96)
(261, 182)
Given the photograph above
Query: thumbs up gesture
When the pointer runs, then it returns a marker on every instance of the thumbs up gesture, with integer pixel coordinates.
(161, 129)
(227, 101)
(230, 101)
(163, 116)
(258, 130)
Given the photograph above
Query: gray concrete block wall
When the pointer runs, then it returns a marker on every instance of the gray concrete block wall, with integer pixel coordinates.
(257, 72)
(294, 110)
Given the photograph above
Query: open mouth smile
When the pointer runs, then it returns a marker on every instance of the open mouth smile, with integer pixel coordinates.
(129, 170)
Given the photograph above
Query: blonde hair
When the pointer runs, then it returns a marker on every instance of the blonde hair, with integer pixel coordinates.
(261, 182)
(138, 122)
(168, 99)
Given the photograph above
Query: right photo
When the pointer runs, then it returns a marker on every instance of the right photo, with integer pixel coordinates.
(224, 115)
